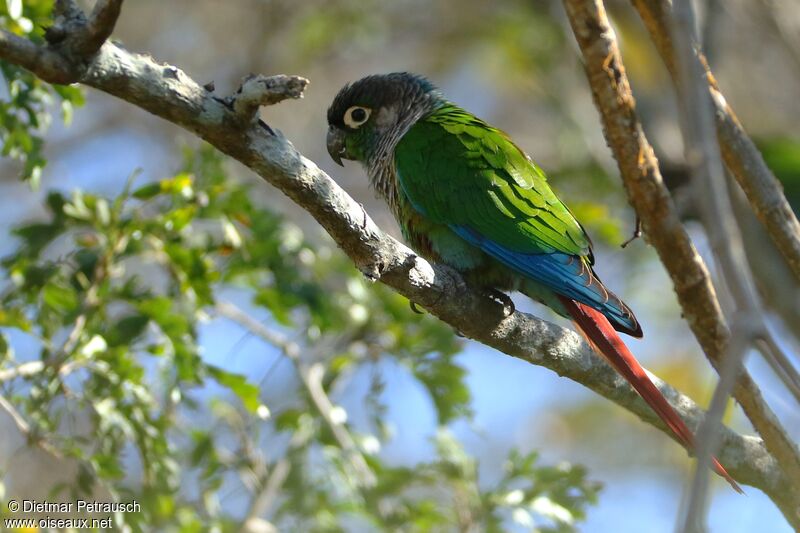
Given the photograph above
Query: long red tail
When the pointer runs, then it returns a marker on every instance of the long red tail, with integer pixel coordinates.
(607, 343)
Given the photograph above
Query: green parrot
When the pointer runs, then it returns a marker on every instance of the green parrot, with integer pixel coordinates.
(466, 196)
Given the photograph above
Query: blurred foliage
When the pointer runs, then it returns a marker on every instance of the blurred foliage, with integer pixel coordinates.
(115, 293)
(25, 100)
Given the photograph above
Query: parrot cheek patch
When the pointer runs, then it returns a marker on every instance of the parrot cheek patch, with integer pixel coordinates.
(386, 117)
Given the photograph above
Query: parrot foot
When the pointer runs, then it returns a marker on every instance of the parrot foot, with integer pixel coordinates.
(413, 305)
(502, 298)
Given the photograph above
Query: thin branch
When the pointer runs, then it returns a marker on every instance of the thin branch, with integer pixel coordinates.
(66, 9)
(311, 376)
(30, 433)
(265, 497)
(703, 156)
(100, 25)
(258, 90)
(74, 335)
(169, 93)
(267, 482)
(22, 425)
(708, 435)
(31, 368)
(648, 194)
(740, 154)
(656, 16)
(637, 232)
(652, 201)
(28, 369)
(779, 364)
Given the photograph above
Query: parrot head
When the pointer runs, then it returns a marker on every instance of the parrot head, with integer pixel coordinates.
(368, 115)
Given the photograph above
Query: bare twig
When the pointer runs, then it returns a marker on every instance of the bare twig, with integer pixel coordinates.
(31, 368)
(696, 500)
(650, 198)
(268, 482)
(779, 364)
(100, 25)
(28, 432)
(704, 159)
(12, 412)
(169, 93)
(736, 147)
(641, 175)
(74, 335)
(260, 90)
(637, 232)
(740, 154)
(264, 498)
(72, 39)
(66, 9)
(311, 376)
(22, 370)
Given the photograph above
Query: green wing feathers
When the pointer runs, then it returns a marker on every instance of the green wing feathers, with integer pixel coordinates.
(458, 170)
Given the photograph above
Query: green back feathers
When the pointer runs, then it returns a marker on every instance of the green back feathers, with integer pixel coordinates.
(458, 170)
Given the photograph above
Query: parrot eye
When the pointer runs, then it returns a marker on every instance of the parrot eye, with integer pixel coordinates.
(356, 116)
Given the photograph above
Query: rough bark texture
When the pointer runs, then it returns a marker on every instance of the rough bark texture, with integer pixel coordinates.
(740, 154)
(169, 93)
(651, 199)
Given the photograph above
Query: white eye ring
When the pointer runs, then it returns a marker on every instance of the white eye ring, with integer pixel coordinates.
(356, 116)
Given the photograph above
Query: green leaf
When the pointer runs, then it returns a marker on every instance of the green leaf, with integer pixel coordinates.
(126, 330)
(782, 155)
(288, 420)
(247, 392)
(278, 302)
(5, 348)
(14, 318)
(160, 309)
(37, 236)
(444, 380)
(177, 219)
(203, 447)
(55, 203)
(60, 297)
(78, 209)
(178, 184)
(147, 191)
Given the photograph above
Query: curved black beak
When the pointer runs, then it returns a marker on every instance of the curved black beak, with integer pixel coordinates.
(336, 147)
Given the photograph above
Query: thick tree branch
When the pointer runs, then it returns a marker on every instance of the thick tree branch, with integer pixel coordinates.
(48, 65)
(169, 93)
(652, 201)
(740, 154)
